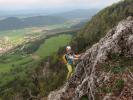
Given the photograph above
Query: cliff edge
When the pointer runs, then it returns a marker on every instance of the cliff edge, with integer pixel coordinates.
(106, 69)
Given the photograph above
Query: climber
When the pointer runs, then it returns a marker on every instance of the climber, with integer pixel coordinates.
(69, 59)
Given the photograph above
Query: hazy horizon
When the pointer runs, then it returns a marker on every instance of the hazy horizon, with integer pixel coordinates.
(51, 5)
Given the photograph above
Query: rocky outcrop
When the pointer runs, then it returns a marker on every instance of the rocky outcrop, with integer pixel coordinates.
(87, 78)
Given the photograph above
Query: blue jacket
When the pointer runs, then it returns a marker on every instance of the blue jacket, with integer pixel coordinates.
(70, 58)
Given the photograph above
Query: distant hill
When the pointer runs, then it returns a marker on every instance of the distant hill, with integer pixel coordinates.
(79, 13)
(17, 23)
(24, 13)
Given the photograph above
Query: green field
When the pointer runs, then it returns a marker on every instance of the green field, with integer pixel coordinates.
(18, 63)
(17, 36)
(29, 56)
(50, 46)
(14, 65)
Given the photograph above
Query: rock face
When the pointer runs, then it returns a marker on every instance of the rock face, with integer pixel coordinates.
(86, 78)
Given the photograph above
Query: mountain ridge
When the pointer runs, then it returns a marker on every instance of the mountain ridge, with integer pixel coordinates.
(101, 23)
(29, 13)
(11, 23)
(87, 77)
(79, 13)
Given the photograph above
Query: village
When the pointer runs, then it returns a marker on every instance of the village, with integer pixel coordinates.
(5, 45)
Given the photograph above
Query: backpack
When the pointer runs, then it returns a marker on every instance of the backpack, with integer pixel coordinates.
(64, 59)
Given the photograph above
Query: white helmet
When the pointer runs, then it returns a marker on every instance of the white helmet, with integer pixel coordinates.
(68, 47)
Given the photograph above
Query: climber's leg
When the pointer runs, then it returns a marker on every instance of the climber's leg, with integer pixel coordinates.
(73, 69)
(69, 67)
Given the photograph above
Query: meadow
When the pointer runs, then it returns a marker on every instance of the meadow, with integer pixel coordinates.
(50, 46)
(17, 64)
(18, 36)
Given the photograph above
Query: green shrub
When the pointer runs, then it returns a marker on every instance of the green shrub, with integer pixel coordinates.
(85, 97)
(119, 84)
(117, 69)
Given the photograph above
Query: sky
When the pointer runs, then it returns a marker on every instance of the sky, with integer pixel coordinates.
(54, 4)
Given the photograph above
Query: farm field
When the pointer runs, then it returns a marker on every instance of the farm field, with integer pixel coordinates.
(20, 61)
(12, 62)
(20, 36)
(51, 45)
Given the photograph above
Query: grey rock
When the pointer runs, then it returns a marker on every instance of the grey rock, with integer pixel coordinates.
(118, 40)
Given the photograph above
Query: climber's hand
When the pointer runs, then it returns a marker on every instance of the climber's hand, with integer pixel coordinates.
(82, 56)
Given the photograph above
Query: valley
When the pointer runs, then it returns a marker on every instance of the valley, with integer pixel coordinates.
(23, 49)
(33, 44)
(12, 38)
(28, 43)
(20, 58)
(22, 61)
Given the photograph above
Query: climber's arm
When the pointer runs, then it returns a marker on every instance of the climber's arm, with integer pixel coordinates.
(73, 57)
(77, 56)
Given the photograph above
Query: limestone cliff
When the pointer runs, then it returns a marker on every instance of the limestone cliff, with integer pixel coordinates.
(90, 77)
